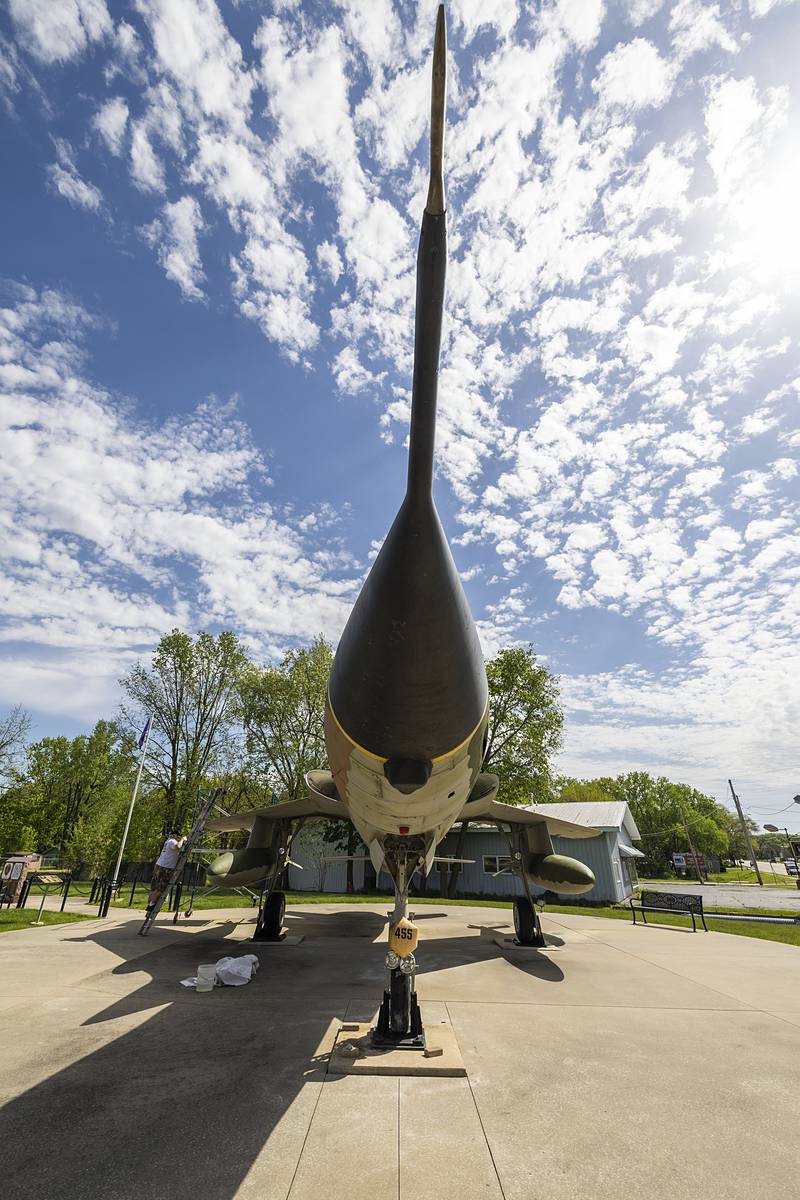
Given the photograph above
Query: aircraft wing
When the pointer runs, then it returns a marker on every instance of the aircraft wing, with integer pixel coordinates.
(482, 806)
(322, 801)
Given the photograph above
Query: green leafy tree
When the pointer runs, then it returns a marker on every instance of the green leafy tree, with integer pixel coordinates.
(737, 845)
(191, 689)
(578, 791)
(525, 724)
(658, 807)
(283, 709)
(65, 784)
(770, 845)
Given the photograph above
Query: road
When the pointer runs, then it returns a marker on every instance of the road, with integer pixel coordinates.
(722, 895)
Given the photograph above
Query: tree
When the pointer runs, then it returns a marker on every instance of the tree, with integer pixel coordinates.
(525, 723)
(580, 791)
(737, 846)
(66, 784)
(770, 845)
(14, 728)
(283, 710)
(312, 837)
(658, 807)
(192, 692)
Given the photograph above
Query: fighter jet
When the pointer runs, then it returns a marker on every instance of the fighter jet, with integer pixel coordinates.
(407, 706)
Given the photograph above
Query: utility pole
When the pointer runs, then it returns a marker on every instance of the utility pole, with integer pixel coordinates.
(695, 859)
(746, 834)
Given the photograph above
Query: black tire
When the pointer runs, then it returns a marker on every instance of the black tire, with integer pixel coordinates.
(526, 924)
(271, 922)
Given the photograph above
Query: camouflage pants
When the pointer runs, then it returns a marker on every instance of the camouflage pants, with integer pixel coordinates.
(161, 877)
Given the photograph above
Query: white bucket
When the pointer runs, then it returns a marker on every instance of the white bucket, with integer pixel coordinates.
(205, 977)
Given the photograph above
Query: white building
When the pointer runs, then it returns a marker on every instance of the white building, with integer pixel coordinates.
(612, 856)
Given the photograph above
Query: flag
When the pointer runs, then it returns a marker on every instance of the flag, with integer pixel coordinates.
(144, 733)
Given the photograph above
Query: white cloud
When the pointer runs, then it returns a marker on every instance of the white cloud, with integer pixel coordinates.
(9, 73)
(581, 20)
(739, 126)
(111, 122)
(197, 52)
(760, 8)
(147, 170)
(474, 15)
(640, 11)
(634, 75)
(59, 30)
(174, 236)
(106, 514)
(65, 179)
(329, 260)
(696, 26)
(350, 373)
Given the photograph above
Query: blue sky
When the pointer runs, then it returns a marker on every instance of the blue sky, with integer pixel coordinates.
(209, 219)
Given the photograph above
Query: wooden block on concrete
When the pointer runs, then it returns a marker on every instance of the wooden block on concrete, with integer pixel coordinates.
(442, 1056)
(490, 933)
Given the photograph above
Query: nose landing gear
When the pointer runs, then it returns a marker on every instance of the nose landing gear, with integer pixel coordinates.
(399, 1025)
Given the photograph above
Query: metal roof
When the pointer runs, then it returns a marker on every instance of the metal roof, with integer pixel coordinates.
(601, 814)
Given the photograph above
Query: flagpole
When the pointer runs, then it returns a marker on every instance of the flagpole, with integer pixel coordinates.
(133, 801)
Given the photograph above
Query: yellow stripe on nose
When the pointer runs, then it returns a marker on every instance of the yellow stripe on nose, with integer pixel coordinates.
(384, 758)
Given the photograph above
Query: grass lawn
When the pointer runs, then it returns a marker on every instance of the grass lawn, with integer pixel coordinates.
(769, 933)
(232, 899)
(21, 918)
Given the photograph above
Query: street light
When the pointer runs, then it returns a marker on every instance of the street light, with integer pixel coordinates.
(777, 829)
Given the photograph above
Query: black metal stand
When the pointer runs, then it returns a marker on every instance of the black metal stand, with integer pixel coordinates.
(399, 1024)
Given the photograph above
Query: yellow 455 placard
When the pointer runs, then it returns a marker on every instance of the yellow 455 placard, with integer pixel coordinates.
(403, 937)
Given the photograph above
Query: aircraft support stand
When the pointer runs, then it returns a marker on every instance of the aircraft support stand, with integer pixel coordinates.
(399, 1025)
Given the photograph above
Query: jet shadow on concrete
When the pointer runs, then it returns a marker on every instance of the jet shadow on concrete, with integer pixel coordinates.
(181, 1104)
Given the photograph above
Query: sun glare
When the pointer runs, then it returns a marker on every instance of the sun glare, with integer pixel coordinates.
(763, 223)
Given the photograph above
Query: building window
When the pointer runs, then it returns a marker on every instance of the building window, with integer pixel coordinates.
(492, 863)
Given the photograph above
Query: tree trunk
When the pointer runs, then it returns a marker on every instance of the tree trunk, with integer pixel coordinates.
(351, 849)
(455, 868)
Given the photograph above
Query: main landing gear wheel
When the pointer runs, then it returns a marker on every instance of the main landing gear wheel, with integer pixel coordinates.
(526, 923)
(271, 923)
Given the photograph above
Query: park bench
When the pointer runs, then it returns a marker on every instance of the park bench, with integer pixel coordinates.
(675, 902)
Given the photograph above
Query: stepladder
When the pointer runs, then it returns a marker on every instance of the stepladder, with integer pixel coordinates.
(206, 802)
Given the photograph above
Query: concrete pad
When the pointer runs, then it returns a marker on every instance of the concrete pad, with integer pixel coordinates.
(591, 973)
(792, 1017)
(352, 1145)
(441, 1056)
(775, 985)
(443, 1150)
(614, 1101)
(617, 1061)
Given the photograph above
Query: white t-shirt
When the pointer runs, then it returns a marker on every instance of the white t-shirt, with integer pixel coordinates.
(169, 853)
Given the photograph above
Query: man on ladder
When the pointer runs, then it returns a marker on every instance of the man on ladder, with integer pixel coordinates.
(173, 857)
(166, 863)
